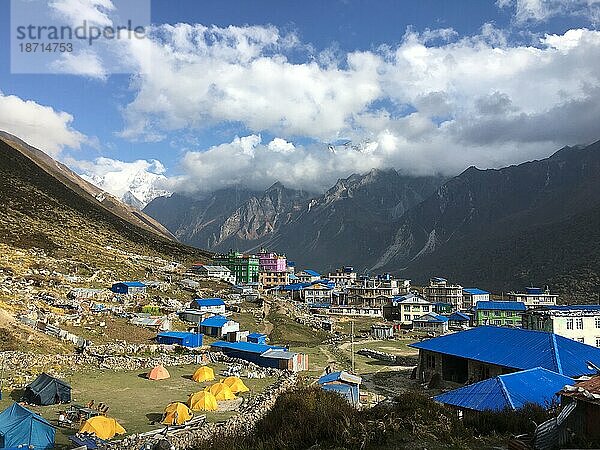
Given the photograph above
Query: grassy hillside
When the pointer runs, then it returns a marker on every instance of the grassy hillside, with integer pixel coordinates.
(37, 210)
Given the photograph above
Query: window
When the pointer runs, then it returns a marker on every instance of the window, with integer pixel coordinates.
(569, 324)
(497, 313)
(509, 314)
(406, 307)
(508, 322)
(497, 322)
(430, 361)
(486, 313)
(580, 340)
(407, 317)
(425, 308)
(597, 320)
(598, 342)
(579, 323)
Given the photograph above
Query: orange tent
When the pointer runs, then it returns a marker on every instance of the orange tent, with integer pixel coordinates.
(159, 373)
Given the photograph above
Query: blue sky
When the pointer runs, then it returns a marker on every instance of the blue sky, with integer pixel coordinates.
(261, 101)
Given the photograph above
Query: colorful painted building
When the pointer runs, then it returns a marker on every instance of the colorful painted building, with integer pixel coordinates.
(500, 313)
(243, 267)
(271, 262)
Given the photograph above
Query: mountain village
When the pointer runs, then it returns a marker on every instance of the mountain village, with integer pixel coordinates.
(243, 328)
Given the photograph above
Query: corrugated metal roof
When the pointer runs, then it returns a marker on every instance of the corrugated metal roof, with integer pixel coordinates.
(214, 321)
(517, 348)
(340, 376)
(458, 317)
(208, 302)
(278, 354)
(431, 318)
(511, 391)
(312, 273)
(501, 306)
(177, 334)
(249, 347)
(475, 291)
(132, 283)
(257, 335)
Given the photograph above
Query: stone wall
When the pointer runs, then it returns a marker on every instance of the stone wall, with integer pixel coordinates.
(250, 413)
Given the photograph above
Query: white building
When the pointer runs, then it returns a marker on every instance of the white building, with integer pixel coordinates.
(342, 277)
(407, 308)
(439, 291)
(317, 293)
(473, 295)
(213, 272)
(307, 276)
(209, 305)
(578, 322)
(533, 297)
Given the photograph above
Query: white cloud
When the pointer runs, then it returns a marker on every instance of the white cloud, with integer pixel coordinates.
(86, 63)
(38, 125)
(95, 12)
(542, 10)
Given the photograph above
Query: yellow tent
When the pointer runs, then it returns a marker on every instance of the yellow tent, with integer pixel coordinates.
(220, 391)
(202, 401)
(103, 427)
(204, 373)
(235, 384)
(176, 413)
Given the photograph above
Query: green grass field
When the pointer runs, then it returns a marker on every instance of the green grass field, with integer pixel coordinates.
(133, 400)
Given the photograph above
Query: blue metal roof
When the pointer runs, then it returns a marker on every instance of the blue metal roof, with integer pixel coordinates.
(132, 283)
(208, 302)
(501, 306)
(214, 321)
(249, 347)
(312, 273)
(517, 348)
(511, 391)
(295, 286)
(256, 335)
(534, 290)
(475, 291)
(176, 334)
(342, 376)
(458, 317)
(431, 318)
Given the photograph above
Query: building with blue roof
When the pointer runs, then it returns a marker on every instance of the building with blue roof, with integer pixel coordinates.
(484, 352)
(431, 322)
(578, 322)
(218, 326)
(458, 320)
(406, 308)
(473, 295)
(212, 305)
(499, 313)
(183, 338)
(257, 338)
(534, 297)
(343, 383)
(263, 355)
(307, 276)
(129, 288)
(22, 428)
(512, 391)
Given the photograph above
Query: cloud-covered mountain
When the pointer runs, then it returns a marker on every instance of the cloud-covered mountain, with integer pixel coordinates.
(350, 223)
(537, 222)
